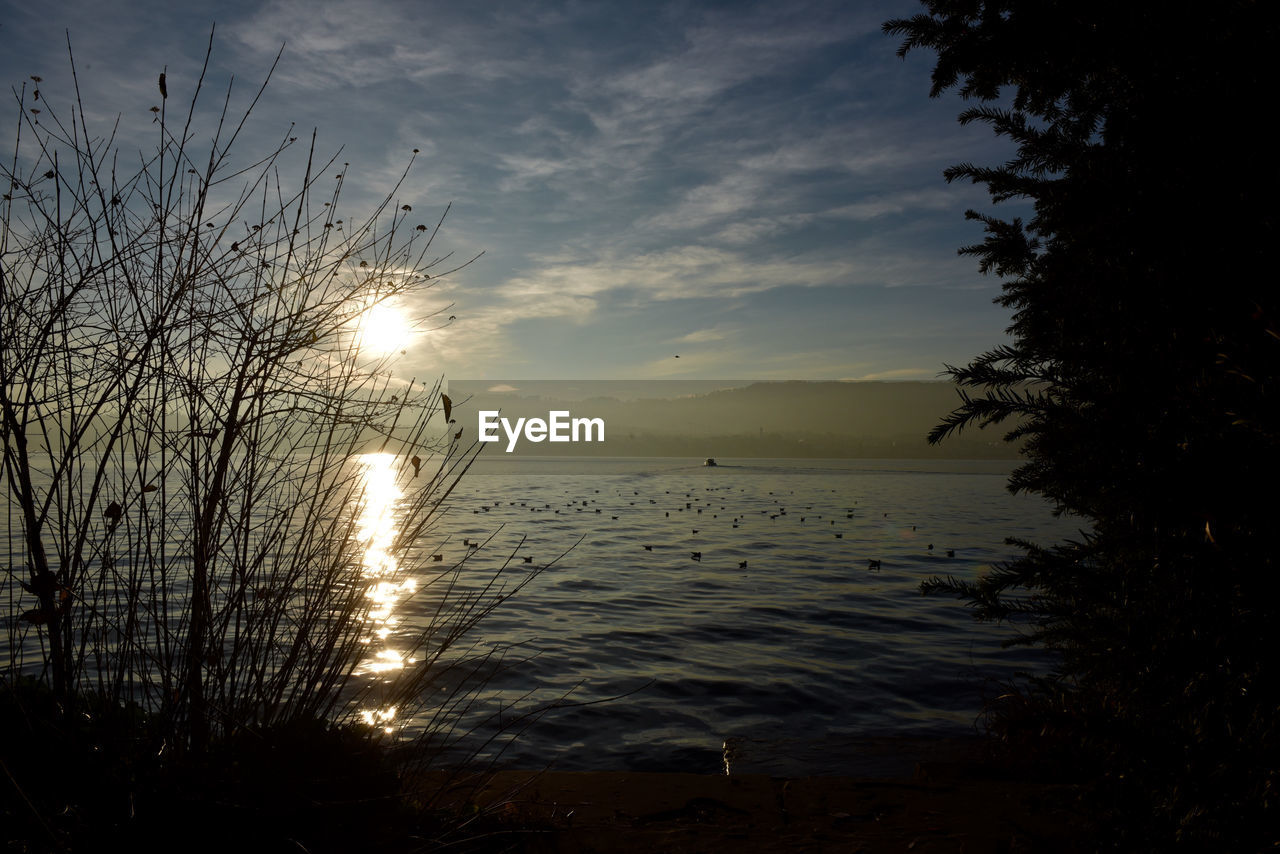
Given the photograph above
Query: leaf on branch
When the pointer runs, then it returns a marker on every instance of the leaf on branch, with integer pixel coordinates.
(448, 405)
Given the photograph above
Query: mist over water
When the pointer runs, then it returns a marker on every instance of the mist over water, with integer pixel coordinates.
(786, 659)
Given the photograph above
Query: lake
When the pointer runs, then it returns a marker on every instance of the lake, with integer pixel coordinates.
(731, 610)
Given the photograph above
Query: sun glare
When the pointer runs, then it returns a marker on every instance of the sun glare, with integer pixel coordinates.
(382, 328)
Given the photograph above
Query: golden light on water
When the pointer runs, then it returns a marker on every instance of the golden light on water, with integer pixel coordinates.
(382, 328)
(376, 531)
(379, 717)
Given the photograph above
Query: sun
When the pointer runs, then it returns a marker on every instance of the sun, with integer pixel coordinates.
(382, 328)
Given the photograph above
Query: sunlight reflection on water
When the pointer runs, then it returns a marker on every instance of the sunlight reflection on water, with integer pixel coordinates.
(377, 531)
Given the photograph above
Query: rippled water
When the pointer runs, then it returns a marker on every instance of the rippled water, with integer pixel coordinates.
(791, 659)
(786, 664)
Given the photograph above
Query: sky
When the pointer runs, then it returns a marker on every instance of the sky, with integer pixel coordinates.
(754, 188)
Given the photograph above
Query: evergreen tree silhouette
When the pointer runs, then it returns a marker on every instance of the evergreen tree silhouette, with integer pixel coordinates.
(1140, 379)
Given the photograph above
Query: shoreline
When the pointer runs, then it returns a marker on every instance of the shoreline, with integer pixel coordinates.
(947, 805)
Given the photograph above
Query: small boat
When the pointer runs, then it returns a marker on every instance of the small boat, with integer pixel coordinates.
(710, 461)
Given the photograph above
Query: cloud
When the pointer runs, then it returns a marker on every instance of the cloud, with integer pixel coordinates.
(759, 229)
(572, 288)
(902, 374)
(627, 167)
(366, 42)
(682, 272)
(703, 336)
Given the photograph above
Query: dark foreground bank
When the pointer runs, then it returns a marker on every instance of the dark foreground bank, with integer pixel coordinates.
(312, 789)
(942, 807)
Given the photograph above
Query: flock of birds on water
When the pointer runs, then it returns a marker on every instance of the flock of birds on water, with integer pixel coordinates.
(777, 511)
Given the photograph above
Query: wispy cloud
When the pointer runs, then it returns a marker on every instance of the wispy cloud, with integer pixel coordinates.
(902, 374)
(767, 165)
(703, 336)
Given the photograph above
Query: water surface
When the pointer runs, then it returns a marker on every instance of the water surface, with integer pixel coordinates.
(752, 619)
